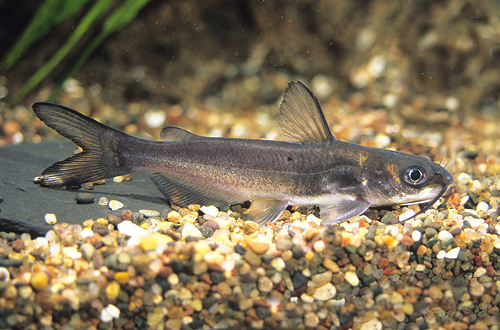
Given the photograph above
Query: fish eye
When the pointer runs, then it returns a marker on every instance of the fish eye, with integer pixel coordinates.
(415, 175)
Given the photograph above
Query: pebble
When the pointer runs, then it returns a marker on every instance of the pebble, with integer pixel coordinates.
(150, 213)
(453, 253)
(211, 211)
(325, 292)
(50, 218)
(84, 198)
(373, 324)
(352, 278)
(103, 201)
(190, 230)
(40, 280)
(258, 244)
(115, 205)
(131, 229)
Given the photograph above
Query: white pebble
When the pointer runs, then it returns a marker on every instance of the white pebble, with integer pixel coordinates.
(105, 317)
(416, 235)
(210, 210)
(325, 292)
(407, 215)
(475, 222)
(131, 229)
(441, 254)
(312, 218)
(352, 278)
(445, 235)
(87, 232)
(482, 207)
(190, 230)
(463, 178)
(103, 201)
(464, 200)
(115, 205)
(50, 218)
(373, 324)
(480, 271)
(453, 253)
(113, 311)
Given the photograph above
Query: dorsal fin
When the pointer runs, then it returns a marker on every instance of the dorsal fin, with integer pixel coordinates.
(171, 133)
(301, 118)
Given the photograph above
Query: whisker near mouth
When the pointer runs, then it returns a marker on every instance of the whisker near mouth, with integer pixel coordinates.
(429, 205)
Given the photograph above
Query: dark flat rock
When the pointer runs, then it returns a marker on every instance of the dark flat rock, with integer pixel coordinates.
(25, 204)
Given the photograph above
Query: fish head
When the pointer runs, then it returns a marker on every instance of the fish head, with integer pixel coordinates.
(404, 179)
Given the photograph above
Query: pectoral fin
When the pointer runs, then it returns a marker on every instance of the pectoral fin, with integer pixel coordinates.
(183, 193)
(342, 210)
(265, 210)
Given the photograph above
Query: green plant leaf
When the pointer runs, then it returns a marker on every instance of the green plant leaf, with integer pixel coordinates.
(41, 23)
(97, 10)
(119, 18)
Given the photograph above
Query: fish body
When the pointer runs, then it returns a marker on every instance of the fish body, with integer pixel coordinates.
(311, 168)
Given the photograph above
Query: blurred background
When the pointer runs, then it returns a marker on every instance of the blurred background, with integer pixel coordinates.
(417, 76)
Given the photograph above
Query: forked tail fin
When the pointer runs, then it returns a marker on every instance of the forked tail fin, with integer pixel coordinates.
(100, 143)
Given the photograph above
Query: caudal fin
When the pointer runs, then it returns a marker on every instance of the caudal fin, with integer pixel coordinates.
(99, 158)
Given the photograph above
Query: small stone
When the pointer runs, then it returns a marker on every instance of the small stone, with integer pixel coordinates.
(407, 240)
(150, 213)
(190, 230)
(311, 320)
(50, 218)
(453, 253)
(389, 217)
(87, 251)
(84, 198)
(113, 311)
(480, 271)
(407, 215)
(122, 277)
(445, 235)
(131, 229)
(373, 324)
(115, 205)
(331, 265)
(430, 232)
(174, 216)
(482, 207)
(321, 279)
(416, 235)
(40, 280)
(258, 244)
(103, 201)
(18, 245)
(325, 292)
(112, 290)
(352, 278)
(319, 246)
(298, 280)
(211, 210)
(211, 224)
(265, 284)
(284, 244)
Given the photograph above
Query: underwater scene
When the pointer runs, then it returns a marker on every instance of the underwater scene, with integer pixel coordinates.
(266, 164)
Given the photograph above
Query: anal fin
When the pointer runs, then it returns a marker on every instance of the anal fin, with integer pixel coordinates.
(266, 209)
(183, 193)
